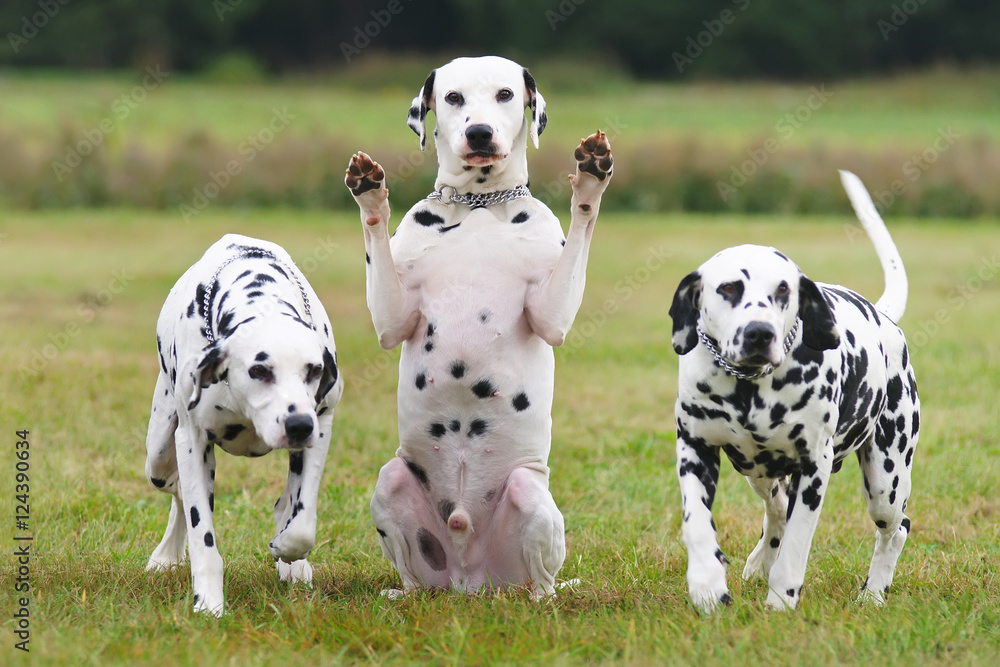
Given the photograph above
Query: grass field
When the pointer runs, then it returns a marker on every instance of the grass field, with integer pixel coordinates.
(79, 296)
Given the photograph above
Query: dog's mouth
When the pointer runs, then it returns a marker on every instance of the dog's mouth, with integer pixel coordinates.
(480, 158)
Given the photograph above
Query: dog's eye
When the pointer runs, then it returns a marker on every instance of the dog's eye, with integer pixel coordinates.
(262, 373)
(313, 372)
(505, 95)
(783, 288)
(454, 98)
(727, 288)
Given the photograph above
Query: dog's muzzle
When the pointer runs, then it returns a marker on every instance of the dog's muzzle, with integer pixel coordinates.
(298, 428)
(480, 139)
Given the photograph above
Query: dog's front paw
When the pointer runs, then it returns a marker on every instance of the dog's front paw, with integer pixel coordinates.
(364, 174)
(209, 602)
(295, 572)
(759, 562)
(593, 156)
(782, 600)
(293, 543)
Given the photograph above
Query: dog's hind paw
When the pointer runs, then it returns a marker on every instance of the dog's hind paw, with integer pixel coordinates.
(298, 571)
(593, 156)
(364, 174)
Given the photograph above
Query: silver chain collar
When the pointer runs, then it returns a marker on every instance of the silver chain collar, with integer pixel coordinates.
(733, 370)
(255, 253)
(448, 195)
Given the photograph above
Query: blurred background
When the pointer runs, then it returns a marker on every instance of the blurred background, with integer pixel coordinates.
(717, 106)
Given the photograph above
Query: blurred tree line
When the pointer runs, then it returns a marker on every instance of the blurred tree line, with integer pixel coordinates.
(646, 38)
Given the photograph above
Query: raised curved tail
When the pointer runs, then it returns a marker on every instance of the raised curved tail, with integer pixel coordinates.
(892, 303)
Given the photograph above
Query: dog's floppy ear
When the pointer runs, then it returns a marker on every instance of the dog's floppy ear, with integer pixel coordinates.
(422, 103)
(536, 103)
(684, 311)
(211, 369)
(819, 329)
(329, 378)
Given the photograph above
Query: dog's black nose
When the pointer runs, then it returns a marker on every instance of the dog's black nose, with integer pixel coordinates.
(479, 137)
(757, 337)
(298, 428)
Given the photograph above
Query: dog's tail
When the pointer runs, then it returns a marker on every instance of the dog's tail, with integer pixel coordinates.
(893, 300)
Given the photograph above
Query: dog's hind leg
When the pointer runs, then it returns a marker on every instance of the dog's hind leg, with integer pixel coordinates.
(885, 466)
(774, 493)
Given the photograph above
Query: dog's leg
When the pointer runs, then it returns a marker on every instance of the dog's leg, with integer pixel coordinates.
(806, 492)
(774, 493)
(698, 472)
(527, 510)
(393, 309)
(295, 511)
(161, 470)
(196, 464)
(411, 533)
(885, 466)
(553, 304)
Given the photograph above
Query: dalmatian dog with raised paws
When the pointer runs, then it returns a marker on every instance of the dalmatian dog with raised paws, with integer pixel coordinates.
(477, 284)
(789, 377)
(247, 364)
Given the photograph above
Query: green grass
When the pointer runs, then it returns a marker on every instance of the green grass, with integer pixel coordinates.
(96, 519)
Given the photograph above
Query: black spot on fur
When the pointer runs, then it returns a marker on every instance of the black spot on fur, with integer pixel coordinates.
(262, 356)
(233, 430)
(195, 517)
(418, 472)
(445, 508)
(431, 550)
(421, 381)
(210, 435)
(295, 462)
(458, 369)
(455, 426)
(520, 217)
(477, 427)
(483, 389)
(380, 532)
(775, 542)
(260, 280)
(437, 429)
(209, 540)
(426, 218)
(521, 402)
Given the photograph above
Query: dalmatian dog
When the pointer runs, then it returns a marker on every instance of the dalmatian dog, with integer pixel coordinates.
(248, 364)
(477, 284)
(788, 377)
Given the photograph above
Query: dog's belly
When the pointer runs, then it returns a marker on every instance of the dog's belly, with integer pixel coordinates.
(476, 384)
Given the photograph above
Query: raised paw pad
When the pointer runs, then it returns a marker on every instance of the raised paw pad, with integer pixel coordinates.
(363, 174)
(594, 156)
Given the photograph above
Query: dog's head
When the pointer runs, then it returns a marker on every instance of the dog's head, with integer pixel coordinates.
(280, 374)
(479, 103)
(747, 299)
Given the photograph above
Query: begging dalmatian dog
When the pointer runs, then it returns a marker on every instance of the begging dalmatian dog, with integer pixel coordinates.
(247, 363)
(477, 283)
(788, 377)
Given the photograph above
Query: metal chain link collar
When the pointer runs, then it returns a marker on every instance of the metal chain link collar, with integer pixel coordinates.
(448, 195)
(733, 370)
(255, 253)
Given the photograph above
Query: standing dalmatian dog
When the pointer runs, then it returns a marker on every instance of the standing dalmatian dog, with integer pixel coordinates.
(789, 377)
(477, 284)
(248, 363)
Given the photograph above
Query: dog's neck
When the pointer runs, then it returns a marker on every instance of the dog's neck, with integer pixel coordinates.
(506, 174)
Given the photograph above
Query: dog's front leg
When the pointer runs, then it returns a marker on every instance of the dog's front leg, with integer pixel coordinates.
(393, 309)
(553, 304)
(806, 492)
(698, 472)
(295, 511)
(196, 467)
